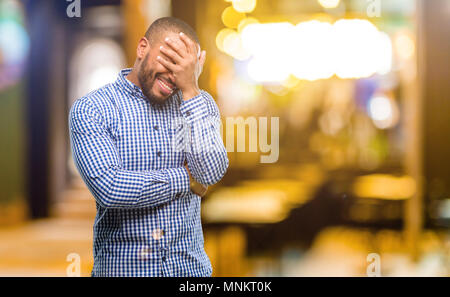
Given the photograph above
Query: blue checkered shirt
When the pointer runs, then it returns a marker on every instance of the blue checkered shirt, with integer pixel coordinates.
(131, 155)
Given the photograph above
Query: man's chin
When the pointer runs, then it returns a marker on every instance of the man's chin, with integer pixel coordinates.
(156, 99)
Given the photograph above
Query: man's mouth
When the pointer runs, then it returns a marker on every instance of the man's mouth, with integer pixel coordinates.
(165, 86)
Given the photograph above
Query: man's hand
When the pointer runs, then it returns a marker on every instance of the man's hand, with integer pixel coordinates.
(182, 58)
(196, 187)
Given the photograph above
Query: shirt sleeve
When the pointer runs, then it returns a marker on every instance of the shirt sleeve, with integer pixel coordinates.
(96, 158)
(206, 155)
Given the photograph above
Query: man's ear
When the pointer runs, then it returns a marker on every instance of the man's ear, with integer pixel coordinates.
(142, 48)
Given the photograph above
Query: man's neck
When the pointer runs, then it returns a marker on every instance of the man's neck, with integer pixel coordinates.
(132, 77)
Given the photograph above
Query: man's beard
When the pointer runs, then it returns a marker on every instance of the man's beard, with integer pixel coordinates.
(146, 78)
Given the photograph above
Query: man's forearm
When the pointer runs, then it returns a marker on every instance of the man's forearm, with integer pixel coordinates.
(206, 156)
(118, 188)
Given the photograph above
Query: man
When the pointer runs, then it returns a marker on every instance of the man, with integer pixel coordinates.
(146, 172)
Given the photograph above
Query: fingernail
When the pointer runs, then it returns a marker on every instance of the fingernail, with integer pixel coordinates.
(181, 34)
(167, 39)
(161, 47)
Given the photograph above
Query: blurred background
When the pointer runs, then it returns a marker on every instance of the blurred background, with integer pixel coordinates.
(361, 91)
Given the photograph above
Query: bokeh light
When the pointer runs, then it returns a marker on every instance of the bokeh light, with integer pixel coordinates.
(231, 18)
(232, 45)
(404, 45)
(96, 63)
(383, 111)
(315, 50)
(312, 56)
(245, 6)
(245, 22)
(220, 37)
(384, 186)
(361, 49)
(329, 3)
(14, 43)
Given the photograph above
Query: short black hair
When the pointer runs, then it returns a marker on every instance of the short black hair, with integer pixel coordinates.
(169, 24)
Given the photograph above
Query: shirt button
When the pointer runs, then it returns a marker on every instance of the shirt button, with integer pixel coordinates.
(156, 127)
(164, 258)
(157, 234)
(158, 154)
(188, 113)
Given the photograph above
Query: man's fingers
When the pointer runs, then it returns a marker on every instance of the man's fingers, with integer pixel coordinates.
(188, 42)
(169, 65)
(201, 62)
(177, 45)
(202, 58)
(203, 191)
(187, 168)
(199, 51)
(171, 54)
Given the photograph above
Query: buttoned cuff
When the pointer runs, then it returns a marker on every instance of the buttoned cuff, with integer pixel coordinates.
(179, 181)
(150, 179)
(194, 109)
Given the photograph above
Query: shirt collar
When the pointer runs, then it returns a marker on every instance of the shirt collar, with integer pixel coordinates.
(127, 85)
(134, 90)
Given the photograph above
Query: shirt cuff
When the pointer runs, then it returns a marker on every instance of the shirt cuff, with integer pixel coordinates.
(179, 181)
(194, 109)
